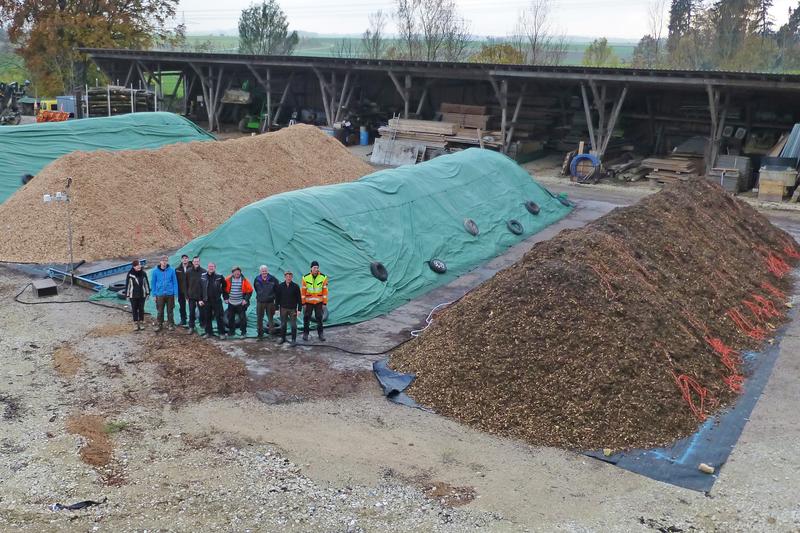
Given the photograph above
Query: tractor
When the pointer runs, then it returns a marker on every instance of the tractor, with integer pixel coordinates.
(10, 113)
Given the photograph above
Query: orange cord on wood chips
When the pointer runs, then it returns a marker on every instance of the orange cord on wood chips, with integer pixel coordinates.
(687, 386)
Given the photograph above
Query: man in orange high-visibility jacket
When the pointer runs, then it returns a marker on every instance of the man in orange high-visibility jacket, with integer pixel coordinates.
(314, 293)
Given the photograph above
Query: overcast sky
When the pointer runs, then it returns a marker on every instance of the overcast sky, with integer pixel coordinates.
(593, 18)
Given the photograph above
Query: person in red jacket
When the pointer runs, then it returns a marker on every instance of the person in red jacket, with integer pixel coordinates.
(238, 291)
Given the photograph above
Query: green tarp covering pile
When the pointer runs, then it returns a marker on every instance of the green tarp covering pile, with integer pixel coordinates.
(29, 148)
(401, 217)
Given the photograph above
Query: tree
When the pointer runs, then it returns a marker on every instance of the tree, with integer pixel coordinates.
(407, 29)
(498, 53)
(731, 21)
(535, 37)
(344, 48)
(645, 55)
(372, 41)
(763, 22)
(788, 39)
(600, 54)
(264, 30)
(48, 33)
(680, 21)
(456, 41)
(656, 19)
(431, 30)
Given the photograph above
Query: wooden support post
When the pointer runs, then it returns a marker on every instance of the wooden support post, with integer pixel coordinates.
(332, 90)
(340, 101)
(504, 112)
(401, 91)
(187, 93)
(268, 119)
(283, 99)
(589, 119)
(501, 93)
(218, 104)
(139, 68)
(349, 95)
(652, 124)
(612, 121)
(407, 96)
(324, 92)
(159, 90)
(423, 98)
(205, 88)
(514, 118)
(601, 114)
(713, 146)
(129, 75)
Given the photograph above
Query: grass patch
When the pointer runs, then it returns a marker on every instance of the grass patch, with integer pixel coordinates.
(115, 427)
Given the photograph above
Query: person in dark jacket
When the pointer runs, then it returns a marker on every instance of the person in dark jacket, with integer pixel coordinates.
(137, 289)
(213, 285)
(182, 274)
(289, 301)
(194, 294)
(164, 286)
(266, 287)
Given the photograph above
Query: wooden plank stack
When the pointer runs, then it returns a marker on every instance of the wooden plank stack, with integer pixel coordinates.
(672, 168)
(120, 100)
(439, 137)
(466, 116)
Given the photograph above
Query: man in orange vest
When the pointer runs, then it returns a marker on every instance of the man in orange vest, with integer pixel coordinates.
(314, 294)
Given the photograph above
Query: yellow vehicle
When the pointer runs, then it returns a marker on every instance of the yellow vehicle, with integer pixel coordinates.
(47, 104)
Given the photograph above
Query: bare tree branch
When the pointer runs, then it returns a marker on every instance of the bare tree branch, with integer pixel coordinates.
(536, 38)
(373, 43)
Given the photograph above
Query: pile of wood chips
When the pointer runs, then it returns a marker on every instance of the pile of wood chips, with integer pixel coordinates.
(130, 203)
(592, 339)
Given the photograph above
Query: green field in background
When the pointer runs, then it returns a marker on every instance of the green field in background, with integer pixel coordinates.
(330, 46)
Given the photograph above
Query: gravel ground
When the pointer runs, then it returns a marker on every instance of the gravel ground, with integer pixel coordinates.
(158, 479)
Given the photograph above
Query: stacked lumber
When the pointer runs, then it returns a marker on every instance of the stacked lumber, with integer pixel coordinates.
(430, 127)
(466, 116)
(119, 100)
(673, 168)
(427, 139)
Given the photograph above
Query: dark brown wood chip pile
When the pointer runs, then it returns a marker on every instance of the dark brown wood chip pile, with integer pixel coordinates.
(130, 203)
(592, 339)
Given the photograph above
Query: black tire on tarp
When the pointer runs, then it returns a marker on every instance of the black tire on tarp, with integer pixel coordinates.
(471, 226)
(438, 266)
(379, 271)
(515, 227)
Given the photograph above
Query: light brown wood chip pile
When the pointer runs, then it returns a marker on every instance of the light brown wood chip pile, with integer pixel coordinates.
(129, 203)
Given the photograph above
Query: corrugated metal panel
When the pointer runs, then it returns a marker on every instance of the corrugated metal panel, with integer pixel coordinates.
(792, 147)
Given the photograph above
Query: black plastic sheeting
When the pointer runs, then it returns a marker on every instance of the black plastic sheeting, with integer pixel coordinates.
(714, 440)
(678, 464)
(394, 384)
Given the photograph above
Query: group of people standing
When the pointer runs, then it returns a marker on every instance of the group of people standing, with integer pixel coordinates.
(200, 294)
